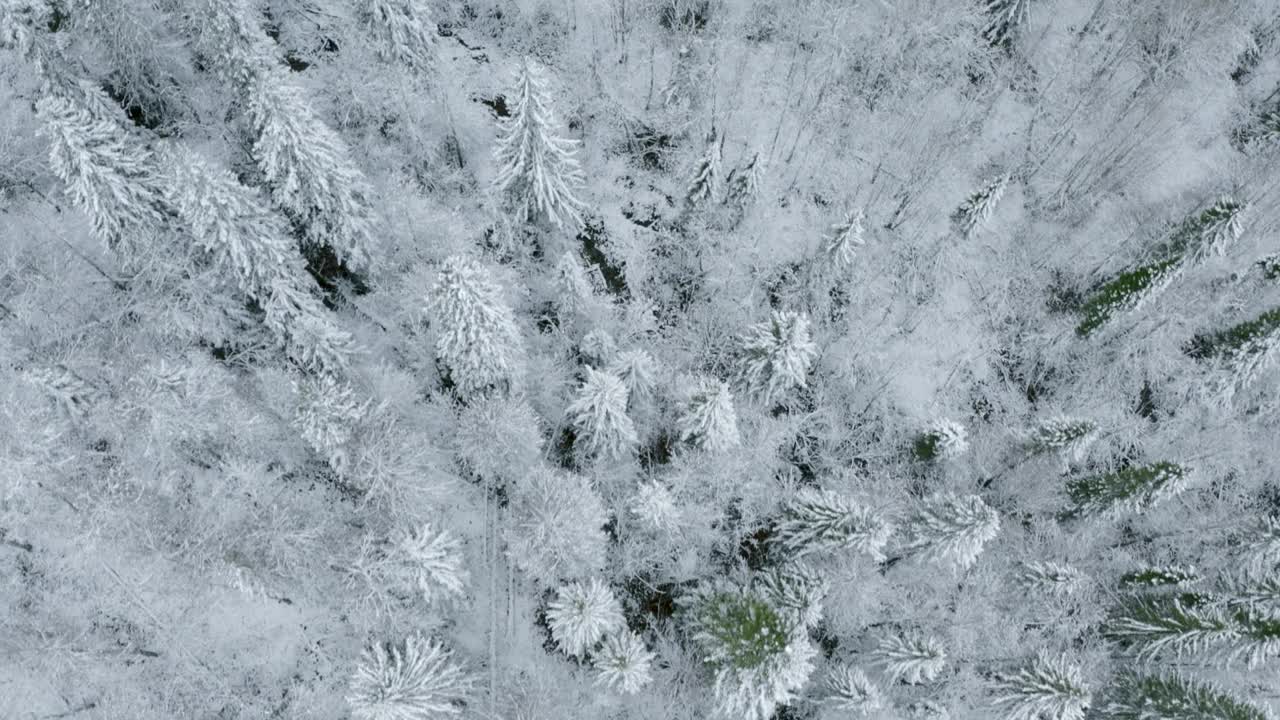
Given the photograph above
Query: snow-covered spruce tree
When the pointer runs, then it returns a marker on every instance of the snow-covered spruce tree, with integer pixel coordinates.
(795, 589)
(231, 223)
(306, 164)
(1150, 577)
(508, 417)
(1050, 578)
(655, 507)
(777, 355)
(414, 680)
(1144, 696)
(582, 614)
(110, 177)
(847, 689)
(1065, 435)
(638, 370)
(743, 184)
(943, 438)
(977, 208)
(709, 419)
(327, 414)
(402, 31)
(822, 520)
(433, 560)
(573, 289)
(707, 179)
(759, 660)
(599, 415)
(1194, 626)
(556, 526)
(598, 347)
(477, 340)
(1241, 352)
(841, 245)
(1128, 490)
(623, 663)
(1261, 543)
(952, 529)
(537, 171)
(1050, 688)
(912, 658)
(1217, 227)
(1004, 19)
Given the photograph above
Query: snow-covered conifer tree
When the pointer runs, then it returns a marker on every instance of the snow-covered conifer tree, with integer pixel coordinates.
(912, 658)
(1050, 578)
(1069, 436)
(1004, 19)
(414, 680)
(573, 288)
(433, 558)
(477, 339)
(231, 222)
(599, 415)
(1050, 688)
(707, 175)
(1127, 490)
(328, 413)
(848, 690)
(817, 521)
(743, 183)
(537, 170)
(795, 589)
(402, 31)
(623, 663)
(758, 659)
(709, 419)
(977, 208)
(307, 166)
(556, 526)
(953, 529)
(842, 244)
(777, 355)
(655, 507)
(943, 438)
(110, 177)
(583, 614)
(1146, 695)
(637, 369)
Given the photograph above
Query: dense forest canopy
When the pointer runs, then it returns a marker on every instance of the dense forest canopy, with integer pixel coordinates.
(750, 359)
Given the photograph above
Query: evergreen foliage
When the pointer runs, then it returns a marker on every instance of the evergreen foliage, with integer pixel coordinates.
(1142, 696)
(1050, 688)
(943, 438)
(477, 339)
(1237, 342)
(583, 614)
(953, 529)
(414, 680)
(849, 690)
(707, 179)
(434, 560)
(402, 30)
(1131, 489)
(795, 590)
(1054, 579)
(638, 371)
(911, 658)
(600, 415)
(1125, 292)
(556, 526)
(977, 208)
(841, 245)
(709, 419)
(1004, 19)
(822, 520)
(1152, 577)
(537, 171)
(1063, 434)
(777, 355)
(623, 663)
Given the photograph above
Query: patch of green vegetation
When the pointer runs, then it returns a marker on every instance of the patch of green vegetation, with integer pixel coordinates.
(1236, 339)
(1123, 292)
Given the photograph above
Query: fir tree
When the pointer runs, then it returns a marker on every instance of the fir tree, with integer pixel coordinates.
(912, 658)
(709, 419)
(796, 590)
(706, 178)
(680, 90)
(818, 521)
(598, 347)
(1061, 434)
(1136, 696)
(759, 661)
(1005, 17)
(1216, 228)
(849, 690)
(556, 526)
(573, 288)
(1156, 626)
(1054, 579)
(952, 529)
(231, 223)
(944, 439)
(303, 161)
(638, 370)
(600, 415)
(402, 31)
(111, 178)
(1261, 544)
(537, 170)
(433, 559)
(582, 614)
(1155, 577)
(1128, 490)
(845, 239)
(743, 184)
(777, 355)
(1127, 291)
(1049, 689)
(623, 663)
(415, 680)
(328, 413)
(655, 507)
(477, 339)
(977, 209)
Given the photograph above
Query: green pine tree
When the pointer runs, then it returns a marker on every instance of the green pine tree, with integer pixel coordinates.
(1128, 490)
(1140, 696)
